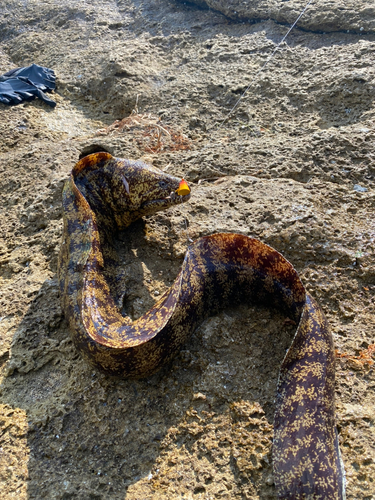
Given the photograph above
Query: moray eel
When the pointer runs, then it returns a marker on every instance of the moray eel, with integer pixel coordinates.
(105, 194)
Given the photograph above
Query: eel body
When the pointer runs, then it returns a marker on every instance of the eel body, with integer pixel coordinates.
(104, 194)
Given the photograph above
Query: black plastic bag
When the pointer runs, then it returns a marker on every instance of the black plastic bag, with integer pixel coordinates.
(24, 84)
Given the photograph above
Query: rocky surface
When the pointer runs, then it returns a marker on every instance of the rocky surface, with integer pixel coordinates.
(321, 15)
(293, 166)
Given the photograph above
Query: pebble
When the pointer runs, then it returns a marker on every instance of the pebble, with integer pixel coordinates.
(199, 396)
(359, 188)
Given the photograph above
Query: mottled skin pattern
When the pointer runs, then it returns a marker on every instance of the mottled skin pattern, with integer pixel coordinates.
(104, 194)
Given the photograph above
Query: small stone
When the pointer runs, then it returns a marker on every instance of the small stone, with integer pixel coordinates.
(199, 396)
(359, 189)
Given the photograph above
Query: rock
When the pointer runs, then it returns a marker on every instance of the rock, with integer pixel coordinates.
(320, 16)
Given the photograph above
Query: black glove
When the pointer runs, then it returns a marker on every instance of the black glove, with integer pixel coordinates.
(24, 84)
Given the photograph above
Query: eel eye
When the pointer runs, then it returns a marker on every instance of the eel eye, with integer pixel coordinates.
(163, 184)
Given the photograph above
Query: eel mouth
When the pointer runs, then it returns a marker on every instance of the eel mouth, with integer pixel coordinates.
(169, 201)
(176, 197)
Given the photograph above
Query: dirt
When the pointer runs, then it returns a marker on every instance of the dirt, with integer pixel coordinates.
(293, 166)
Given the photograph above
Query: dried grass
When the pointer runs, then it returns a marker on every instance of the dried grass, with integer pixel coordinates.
(150, 133)
(365, 357)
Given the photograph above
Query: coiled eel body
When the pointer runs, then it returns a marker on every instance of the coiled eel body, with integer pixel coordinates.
(104, 194)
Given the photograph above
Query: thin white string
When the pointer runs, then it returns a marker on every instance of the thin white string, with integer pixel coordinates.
(242, 96)
(184, 215)
(262, 67)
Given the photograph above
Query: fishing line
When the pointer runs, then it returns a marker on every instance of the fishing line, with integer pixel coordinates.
(184, 215)
(219, 126)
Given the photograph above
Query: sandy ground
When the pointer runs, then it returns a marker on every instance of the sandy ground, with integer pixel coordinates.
(294, 167)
